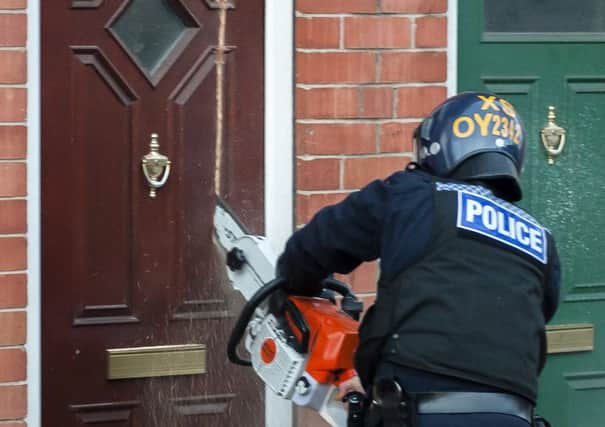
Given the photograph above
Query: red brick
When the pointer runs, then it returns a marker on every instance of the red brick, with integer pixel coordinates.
(431, 32)
(12, 216)
(12, 364)
(360, 171)
(376, 102)
(13, 401)
(396, 137)
(363, 279)
(14, 256)
(414, 6)
(12, 104)
(309, 205)
(318, 174)
(14, 67)
(13, 142)
(12, 179)
(419, 101)
(13, 4)
(13, 29)
(341, 67)
(12, 328)
(13, 291)
(377, 32)
(413, 67)
(326, 103)
(354, 138)
(317, 33)
(336, 6)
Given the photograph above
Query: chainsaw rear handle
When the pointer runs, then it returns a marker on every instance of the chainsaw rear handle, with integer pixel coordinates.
(248, 311)
(350, 304)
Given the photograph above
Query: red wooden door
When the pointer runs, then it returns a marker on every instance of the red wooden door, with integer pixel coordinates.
(122, 269)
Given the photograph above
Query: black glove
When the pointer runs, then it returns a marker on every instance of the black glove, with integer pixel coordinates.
(278, 299)
(298, 280)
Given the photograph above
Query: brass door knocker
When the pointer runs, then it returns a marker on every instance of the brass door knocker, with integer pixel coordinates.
(156, 166)
(553, 137)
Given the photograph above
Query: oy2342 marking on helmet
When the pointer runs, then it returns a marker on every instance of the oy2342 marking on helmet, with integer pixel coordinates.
(501, 121)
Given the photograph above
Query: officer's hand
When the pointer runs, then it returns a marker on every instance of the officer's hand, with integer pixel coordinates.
(298, 280)
(351, 385)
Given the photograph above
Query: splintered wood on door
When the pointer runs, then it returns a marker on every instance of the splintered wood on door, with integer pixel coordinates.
(124, 271)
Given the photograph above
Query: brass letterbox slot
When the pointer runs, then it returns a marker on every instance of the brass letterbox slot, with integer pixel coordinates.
(570, 338)
(157, 361)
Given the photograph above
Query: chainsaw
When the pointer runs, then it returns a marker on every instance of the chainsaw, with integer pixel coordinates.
(301, 347)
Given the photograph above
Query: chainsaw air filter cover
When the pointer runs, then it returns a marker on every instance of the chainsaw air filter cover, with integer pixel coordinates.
(276, 362)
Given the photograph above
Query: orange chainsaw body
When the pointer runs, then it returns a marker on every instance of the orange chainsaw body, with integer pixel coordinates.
(333, 339)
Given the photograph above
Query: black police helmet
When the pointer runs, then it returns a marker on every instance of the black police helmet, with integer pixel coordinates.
(474, 136)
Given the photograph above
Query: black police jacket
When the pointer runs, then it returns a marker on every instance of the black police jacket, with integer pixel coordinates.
(467, 280)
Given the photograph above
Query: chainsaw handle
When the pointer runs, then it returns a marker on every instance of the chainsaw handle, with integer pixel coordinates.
(242, 322)
(350, 303)
(248, 311)
(298, 321)
(336, 286)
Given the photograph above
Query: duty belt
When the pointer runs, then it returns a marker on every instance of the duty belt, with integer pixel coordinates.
(394, 403)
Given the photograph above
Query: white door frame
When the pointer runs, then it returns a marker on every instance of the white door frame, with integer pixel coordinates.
(452, 47)
(279, 190)
(34, 238)
(279, 151)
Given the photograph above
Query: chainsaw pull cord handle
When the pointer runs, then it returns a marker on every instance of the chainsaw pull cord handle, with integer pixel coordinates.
(242, 322)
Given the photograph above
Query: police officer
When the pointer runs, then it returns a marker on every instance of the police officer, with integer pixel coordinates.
(468, 280)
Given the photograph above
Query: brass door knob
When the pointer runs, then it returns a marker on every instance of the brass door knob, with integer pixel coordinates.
(156, 166)
(553, 137)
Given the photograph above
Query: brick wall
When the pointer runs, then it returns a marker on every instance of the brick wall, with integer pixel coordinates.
(13, 243)
(367, 71)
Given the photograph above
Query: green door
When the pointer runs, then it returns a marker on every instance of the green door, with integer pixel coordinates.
(537, 54)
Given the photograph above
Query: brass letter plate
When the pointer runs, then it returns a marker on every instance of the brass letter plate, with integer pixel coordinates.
(158, 361)
(570, 338)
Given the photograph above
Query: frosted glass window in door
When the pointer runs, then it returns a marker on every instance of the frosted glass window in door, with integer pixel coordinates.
(149, 30)
(544, 16)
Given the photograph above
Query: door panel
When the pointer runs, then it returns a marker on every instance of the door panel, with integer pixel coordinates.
(564, 69)
(102, 212)
(122, 269)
